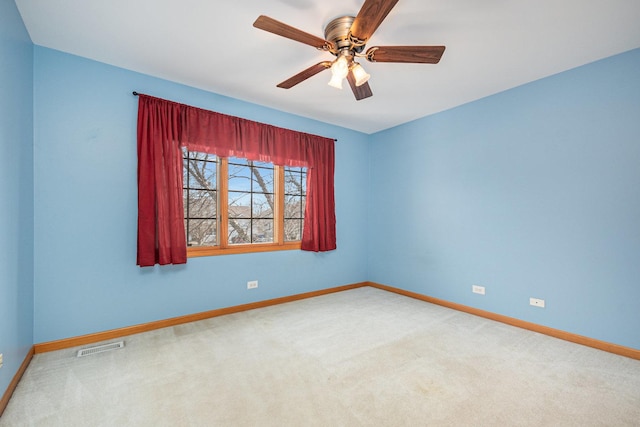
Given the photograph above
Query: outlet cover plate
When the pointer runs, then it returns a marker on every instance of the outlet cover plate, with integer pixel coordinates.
(477, 289)
(536, 302)
(252, 284)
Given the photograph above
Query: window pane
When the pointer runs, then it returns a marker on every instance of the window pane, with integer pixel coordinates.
(262, 180)
(200, 204)
(262, 231)
(185, 204)
(185, 172)
(239, 231)
(200, 174)
(239, 205)
(292, 182)
(292, 230)
(293, 207)
(294, 202)
(262, 206)
(239, 178)
(201, 232)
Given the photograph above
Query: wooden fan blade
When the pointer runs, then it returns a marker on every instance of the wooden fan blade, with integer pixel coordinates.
(410, 54)
(370, 16)
(276, 27)
(360, 92)
(305, 74)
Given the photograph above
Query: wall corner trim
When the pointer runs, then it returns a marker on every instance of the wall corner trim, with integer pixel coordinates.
(545, 330)
(16, 379)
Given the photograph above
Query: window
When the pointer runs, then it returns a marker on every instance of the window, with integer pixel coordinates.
(165, 126)
(235, 205)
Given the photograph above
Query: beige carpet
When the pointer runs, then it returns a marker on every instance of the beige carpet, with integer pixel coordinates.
(363, 357)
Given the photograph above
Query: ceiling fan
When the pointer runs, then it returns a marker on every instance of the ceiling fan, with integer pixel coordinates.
(345, 38)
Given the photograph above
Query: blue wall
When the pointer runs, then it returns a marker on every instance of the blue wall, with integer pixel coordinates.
(16, 192)
(86, 279)
(533, 192)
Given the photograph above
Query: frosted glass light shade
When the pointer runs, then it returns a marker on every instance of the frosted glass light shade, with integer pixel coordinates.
(340, 67)
(336, 81)
(339, 70)
(360, 75)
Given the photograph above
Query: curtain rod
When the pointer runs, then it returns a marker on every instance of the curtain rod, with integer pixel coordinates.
(136, 94)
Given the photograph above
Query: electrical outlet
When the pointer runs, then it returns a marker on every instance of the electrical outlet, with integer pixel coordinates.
(536, 302)
(477, 289)
(1, 360)
(252, 284)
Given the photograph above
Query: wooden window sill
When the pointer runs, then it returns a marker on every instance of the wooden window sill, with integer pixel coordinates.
(241, 249)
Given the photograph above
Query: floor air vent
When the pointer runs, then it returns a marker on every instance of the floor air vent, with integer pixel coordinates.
(100, 348)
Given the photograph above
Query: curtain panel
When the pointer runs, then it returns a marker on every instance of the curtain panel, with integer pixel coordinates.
(165, 126)
(161, 235)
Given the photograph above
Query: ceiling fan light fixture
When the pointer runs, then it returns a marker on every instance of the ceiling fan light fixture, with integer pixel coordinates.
(339, 70)
(360, 75)
(336, 81)
(345, 37)
(340, 67)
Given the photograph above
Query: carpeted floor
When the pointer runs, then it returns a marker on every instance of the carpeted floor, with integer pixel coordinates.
(363, 357)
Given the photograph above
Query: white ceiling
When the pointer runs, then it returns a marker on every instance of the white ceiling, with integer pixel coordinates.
(492, 45)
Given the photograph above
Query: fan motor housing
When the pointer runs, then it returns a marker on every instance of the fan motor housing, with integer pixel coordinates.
(337, 32)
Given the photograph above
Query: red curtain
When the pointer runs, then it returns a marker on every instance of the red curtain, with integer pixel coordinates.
(319, 231)
(161, 236)
(167, 126)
